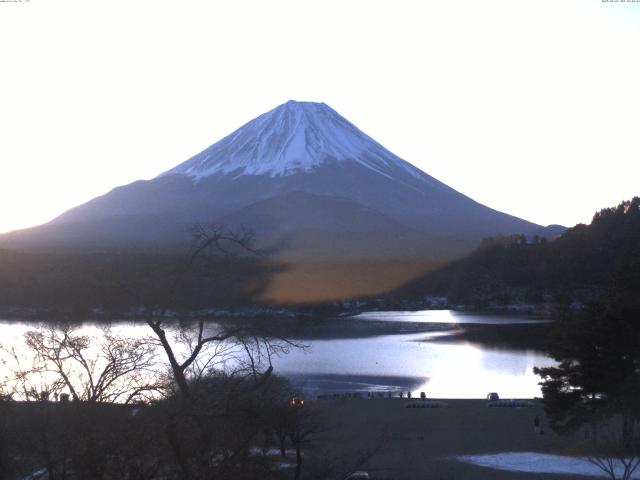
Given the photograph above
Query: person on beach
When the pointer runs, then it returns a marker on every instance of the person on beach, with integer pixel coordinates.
(536, 424)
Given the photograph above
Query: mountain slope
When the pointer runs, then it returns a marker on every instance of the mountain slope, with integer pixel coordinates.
(338, 228)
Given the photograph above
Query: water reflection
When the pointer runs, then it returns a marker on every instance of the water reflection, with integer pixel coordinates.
(449, 316)
(455, 368)
(450, 370)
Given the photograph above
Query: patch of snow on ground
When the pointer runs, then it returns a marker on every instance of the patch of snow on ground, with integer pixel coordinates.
(40, 474)
(532, 462)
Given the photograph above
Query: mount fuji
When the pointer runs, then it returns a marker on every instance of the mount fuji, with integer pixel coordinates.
(295, 137)
(346, 215)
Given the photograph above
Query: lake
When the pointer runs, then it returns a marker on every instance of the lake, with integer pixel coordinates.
(441, 363)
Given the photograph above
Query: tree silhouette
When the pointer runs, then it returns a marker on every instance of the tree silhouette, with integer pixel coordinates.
(595, 388)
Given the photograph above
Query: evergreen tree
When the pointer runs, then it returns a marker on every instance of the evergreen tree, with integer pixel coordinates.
(596, 384)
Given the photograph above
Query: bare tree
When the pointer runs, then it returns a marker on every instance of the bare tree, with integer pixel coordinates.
(302, 427)
(194, 348)
(196, 338)
(614, 446)
(101, 368)
(83, 438)
(26, 378)
(218, 369)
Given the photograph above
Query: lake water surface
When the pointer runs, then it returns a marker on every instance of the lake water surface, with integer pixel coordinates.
(438, 363)
(415, 362)
(449, 316)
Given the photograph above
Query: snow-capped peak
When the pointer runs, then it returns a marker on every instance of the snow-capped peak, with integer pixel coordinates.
(293, 137)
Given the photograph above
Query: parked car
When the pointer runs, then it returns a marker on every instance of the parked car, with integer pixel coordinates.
(492, 397)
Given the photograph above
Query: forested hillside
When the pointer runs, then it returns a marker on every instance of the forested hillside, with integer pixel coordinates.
(583, 264)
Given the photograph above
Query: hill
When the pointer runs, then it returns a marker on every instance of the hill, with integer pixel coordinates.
(585, 263)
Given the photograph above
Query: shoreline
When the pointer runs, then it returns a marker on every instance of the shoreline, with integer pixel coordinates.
(317, 312)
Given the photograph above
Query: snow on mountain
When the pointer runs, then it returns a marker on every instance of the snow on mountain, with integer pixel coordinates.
(291, 138)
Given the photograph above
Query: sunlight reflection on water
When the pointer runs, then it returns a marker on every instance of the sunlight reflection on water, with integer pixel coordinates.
(442, 370)
(449, 316)
(416, 362)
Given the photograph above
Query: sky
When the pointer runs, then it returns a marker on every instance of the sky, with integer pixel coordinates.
(529, 107)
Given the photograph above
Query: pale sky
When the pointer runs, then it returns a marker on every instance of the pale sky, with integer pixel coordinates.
(530, 107)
